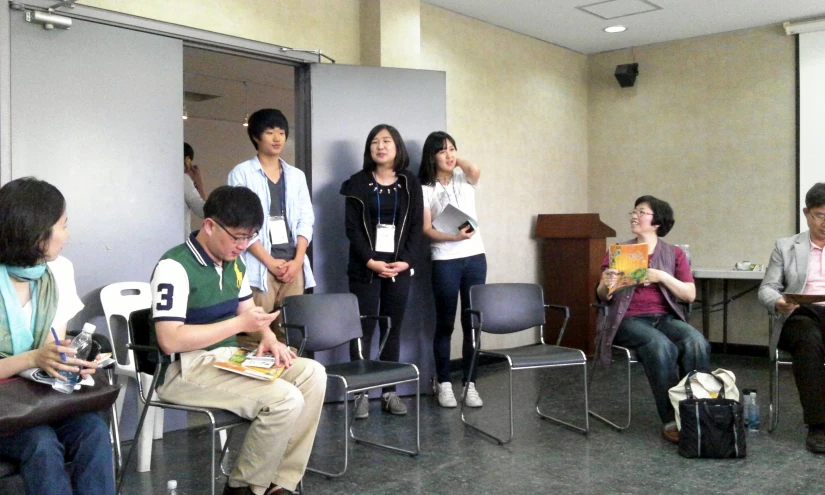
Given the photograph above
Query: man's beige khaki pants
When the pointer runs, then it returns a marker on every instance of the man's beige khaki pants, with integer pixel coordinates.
(284, 413)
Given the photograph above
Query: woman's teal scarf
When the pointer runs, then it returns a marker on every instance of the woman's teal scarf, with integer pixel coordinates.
(16, 334)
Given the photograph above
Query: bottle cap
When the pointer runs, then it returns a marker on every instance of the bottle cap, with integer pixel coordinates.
(88, 328)
(171, 485)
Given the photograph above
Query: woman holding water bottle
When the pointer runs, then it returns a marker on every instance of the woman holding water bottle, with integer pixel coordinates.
(38, 294)
(647, 317)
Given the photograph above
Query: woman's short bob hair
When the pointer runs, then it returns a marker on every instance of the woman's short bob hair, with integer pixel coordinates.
(662, 214)
(29, 208)
(435, 143)
(402, 159)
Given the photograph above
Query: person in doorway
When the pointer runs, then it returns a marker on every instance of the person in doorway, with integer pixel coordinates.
(648, 318)
(277, 260)
(194, 194)
(797, 266)
(458, 258)
(383, 213)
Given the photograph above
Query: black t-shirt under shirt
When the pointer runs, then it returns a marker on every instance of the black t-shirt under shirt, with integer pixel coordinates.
(388, 207)
(284, 251)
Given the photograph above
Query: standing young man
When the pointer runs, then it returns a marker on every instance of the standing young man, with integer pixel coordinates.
(278, 266)
(201, 300)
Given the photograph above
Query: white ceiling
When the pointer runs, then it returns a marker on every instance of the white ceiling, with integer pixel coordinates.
(564, 23)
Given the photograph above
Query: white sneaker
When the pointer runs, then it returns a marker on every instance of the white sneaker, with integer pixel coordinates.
(446, 398)
(472, 399)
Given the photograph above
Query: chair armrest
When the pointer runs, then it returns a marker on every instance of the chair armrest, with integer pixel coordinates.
(300, 328)
(566, 312)
(386, 335)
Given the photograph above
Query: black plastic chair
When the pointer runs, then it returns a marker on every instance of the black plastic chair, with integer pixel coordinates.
(325, 321)
(510, 308)
(151, 360)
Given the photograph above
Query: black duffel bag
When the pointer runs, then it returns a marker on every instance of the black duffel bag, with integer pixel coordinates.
(711, 428)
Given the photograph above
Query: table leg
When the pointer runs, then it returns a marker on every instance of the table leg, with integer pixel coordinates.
(706, 307)
(725, 317)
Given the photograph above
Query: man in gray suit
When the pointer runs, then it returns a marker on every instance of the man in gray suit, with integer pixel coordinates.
(798, 266)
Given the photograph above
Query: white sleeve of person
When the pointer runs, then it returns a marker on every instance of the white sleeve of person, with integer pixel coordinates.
(170, 291)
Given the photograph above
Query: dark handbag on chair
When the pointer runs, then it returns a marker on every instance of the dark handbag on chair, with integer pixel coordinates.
(24, 403)
(711, 428)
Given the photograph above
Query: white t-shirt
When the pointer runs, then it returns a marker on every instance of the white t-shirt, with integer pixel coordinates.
(462, 195)
(68, 304)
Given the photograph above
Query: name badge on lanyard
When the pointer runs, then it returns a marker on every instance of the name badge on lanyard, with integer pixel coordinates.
(277, 223)
(277, 230)
(385, 233)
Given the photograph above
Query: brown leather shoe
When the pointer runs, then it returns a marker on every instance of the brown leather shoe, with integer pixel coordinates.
(670, 432)
(277, 490)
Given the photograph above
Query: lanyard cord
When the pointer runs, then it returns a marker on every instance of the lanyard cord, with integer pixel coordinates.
(378, 198)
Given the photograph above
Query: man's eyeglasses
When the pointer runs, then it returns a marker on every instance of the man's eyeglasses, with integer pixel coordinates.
(238, 239)
(819, 217)
(639, 213)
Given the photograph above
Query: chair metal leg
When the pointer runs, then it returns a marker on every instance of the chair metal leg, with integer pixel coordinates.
(476, 428)
(114, 429)
(773, 407)
(347, 426)
(571, 426)
(603, 419)
(224, 435)
(411, 453)
(135, 442)
(212, 452)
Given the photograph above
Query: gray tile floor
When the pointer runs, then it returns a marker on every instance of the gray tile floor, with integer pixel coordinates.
(543, 458)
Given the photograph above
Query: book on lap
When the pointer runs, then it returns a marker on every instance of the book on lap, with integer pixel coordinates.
(244, 362)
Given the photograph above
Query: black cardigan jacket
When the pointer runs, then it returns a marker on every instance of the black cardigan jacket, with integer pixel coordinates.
(357, 189)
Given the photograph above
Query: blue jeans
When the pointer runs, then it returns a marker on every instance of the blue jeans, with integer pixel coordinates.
(667, 348)
(43, 450)
(452, 278)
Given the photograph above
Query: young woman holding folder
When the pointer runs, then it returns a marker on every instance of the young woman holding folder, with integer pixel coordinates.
(458, 256)
(383, 225)
(37, 298)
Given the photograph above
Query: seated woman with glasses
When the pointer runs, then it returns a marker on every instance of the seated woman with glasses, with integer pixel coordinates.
(38, 296)
(647, 317)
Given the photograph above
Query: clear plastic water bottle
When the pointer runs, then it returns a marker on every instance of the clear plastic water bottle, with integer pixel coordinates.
(172, 487)
(83, 343)
(750, 409)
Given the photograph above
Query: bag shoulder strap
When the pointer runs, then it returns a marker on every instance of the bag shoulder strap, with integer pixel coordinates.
(689, 391)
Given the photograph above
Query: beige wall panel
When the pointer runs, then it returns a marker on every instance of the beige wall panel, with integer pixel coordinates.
(517, 107)
(329, 25)
(709, 127)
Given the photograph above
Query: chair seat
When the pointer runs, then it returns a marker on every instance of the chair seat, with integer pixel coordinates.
(538, 355)
(784, 355)
(634, 356)
(223, 418)
(365, 374)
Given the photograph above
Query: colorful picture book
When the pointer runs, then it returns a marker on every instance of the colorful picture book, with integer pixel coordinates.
(631, 262)
(245, 362)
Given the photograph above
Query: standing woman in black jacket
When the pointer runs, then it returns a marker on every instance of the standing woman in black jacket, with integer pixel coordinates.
(384, 225)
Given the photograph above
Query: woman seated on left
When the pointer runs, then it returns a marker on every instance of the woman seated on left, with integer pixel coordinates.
(37, 293)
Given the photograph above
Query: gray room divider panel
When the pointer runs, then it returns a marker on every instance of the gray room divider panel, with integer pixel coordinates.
(96, 111)
(348, 101)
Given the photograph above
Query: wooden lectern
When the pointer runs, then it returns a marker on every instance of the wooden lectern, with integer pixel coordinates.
(572, 254)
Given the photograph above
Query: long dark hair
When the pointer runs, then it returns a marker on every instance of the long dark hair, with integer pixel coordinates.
(432, 146)
(402, 158)
(29, 208)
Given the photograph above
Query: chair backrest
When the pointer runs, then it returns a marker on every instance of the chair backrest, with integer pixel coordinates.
(330, 320)
(119, 300)
(508, 308)
(139, 332)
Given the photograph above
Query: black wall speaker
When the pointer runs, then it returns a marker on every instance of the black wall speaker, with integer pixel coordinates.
(626, 74)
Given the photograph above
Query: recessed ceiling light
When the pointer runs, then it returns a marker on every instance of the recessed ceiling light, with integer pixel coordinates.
(615, 29)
